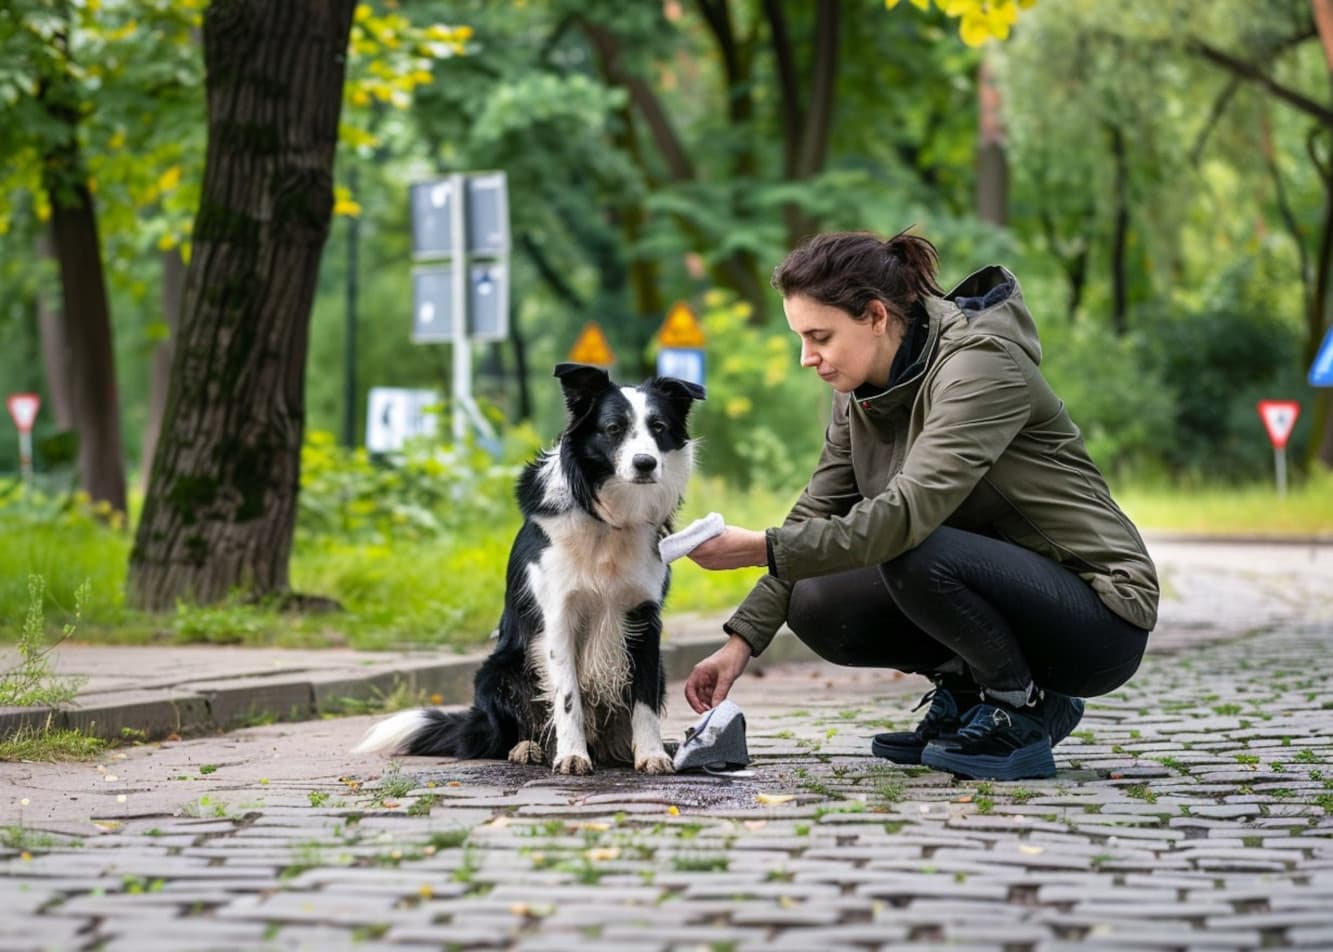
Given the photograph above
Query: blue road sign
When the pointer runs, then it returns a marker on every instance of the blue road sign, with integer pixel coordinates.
(1321, 371)
(683, 363)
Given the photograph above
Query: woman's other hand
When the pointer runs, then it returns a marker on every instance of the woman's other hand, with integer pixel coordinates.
(735, 548)
(712, 678)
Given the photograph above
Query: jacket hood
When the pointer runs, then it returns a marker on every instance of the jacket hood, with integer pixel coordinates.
(991, 302)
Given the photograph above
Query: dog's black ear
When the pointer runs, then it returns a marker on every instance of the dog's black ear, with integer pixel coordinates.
(681, 394)
(581, 383)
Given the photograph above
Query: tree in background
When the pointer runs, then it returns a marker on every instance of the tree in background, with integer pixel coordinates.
(221, 501)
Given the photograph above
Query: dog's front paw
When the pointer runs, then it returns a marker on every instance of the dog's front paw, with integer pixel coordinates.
(574, 764)
(654, 764)
(527, 752)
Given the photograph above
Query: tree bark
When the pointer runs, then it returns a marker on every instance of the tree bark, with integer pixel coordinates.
(1120, 235)
(55, 348)
(173, 296)
(992, 163)
(221, 504)
(91, 383)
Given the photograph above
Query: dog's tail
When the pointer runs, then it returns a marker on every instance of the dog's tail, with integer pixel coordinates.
(433, 733)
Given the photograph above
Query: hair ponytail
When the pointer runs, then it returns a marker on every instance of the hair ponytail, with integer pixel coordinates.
(848, 270)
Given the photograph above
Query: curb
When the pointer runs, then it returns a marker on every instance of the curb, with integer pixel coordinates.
(206, 707)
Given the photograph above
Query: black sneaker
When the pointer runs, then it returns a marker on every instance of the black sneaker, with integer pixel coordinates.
(941, 720)
(1061, 714)
(997, 742)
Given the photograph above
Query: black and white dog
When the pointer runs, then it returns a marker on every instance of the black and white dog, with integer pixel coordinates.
(576, 677)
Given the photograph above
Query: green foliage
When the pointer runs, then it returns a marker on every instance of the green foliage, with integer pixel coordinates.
(425, 493)
(47, 744)
(1113, 394)
(31, 682)
(755, 385)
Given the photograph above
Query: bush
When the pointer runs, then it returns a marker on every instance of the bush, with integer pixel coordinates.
(763, 423)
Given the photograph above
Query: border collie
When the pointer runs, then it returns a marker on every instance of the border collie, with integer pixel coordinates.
(576, 677)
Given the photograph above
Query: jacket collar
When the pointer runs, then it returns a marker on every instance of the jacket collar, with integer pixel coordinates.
(902, 393)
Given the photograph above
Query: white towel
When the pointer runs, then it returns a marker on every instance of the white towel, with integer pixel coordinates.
(696, 533)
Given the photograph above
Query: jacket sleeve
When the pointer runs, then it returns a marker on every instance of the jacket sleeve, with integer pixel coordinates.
(831, 491)
(977, 402)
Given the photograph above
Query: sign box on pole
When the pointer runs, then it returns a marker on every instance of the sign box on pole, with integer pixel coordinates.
(682, 340)
(432, 302)
(486, 216)
(396, 415)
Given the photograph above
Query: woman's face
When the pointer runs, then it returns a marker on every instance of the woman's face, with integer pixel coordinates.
(845, 352)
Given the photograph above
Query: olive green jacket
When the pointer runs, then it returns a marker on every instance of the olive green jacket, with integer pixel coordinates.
(972, 437)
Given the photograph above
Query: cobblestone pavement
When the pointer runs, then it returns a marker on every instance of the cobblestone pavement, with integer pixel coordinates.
(1191, 810)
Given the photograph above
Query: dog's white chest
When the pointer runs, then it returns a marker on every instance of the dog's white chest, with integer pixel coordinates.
(589, 564)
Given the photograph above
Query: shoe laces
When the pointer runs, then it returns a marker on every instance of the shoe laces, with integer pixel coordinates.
(988, 718)
(940, 708)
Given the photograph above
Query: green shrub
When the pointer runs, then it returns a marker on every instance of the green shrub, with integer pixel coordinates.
(763, 423)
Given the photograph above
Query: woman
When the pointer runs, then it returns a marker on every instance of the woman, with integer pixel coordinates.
(954, 526)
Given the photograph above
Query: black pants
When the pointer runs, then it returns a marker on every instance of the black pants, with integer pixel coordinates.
(1014, 618)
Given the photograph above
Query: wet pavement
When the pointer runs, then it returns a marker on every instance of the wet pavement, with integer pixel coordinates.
(1191, 810)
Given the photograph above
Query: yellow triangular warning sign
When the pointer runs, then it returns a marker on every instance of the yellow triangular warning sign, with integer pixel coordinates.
(592, 347)
(680, 329)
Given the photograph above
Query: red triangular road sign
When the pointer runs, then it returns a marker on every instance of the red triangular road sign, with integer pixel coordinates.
(1279, 418)
(23, 408)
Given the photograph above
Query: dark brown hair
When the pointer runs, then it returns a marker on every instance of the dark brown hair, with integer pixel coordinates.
(849, 269)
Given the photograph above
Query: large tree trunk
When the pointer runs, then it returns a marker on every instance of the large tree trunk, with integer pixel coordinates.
(221, 504)
(173, 297)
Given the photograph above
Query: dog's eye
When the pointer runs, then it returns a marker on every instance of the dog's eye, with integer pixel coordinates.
(657, 427)
(613, 429)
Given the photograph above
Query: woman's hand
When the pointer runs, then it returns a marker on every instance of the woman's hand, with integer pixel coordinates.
(712, 678)
(735, 548)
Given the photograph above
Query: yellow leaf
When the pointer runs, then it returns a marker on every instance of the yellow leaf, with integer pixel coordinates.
(1030, 850)
(673, 810)
(974, 29)
(166, 242)
(774, 799)
(603, 853)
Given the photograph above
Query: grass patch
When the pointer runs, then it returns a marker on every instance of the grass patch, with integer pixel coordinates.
(50, 745)
(385, 573)
(1307, 508)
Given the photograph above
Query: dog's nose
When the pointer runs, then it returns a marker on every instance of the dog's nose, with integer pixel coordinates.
(645, 464)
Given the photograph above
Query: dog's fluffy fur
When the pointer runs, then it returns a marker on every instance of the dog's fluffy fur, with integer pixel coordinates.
(576, 677)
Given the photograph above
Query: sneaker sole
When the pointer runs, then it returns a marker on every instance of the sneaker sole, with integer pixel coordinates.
(896, 753)
(1033, 762)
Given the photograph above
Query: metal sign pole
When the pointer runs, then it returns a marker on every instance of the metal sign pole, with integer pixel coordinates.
(1280, 465)
(462, 394)
(25, 457)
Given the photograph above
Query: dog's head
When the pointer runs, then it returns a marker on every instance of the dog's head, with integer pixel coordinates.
(631, 444)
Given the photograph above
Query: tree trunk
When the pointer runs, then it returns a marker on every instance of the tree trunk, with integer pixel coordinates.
(87, 326)
(173, 296)
(91, 382)
(221, 504)
(1120, 236)
(55, 348)
(992, 163)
